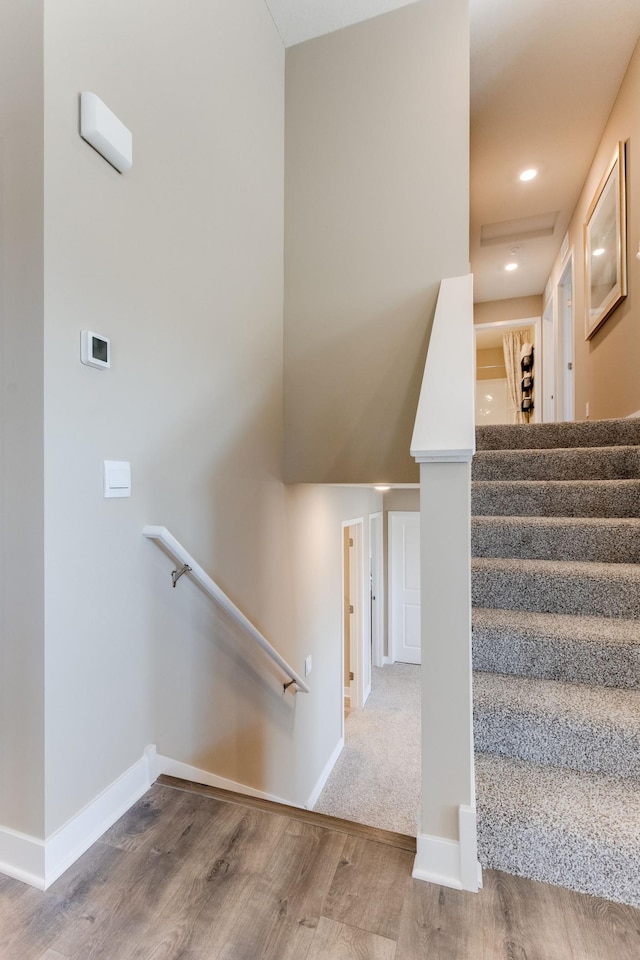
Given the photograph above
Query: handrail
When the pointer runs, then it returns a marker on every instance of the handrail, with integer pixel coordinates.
(445, 422)
(209, 586)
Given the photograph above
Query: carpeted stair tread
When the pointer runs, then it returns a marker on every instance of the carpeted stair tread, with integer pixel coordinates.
(582, 433)
(590, 728)
(565, 498)
(557, 586)
(559, 463)
(580, 830)
(602, 539)
(548, 646)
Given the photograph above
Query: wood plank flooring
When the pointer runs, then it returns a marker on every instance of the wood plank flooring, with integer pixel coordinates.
(187, 876)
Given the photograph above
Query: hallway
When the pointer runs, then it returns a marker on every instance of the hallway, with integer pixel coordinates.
(377, 777)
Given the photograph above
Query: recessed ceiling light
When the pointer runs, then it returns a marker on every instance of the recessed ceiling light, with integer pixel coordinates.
(598, 252)
(382, 488)
(511, 266)
(528, 174)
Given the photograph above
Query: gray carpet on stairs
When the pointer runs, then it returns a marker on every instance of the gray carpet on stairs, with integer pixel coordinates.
(556, 647)
(604, 539)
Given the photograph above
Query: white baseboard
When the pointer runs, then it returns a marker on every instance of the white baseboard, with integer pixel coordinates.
(450, 863)
(22, 857)
(387, 661)
(636, 414)
(40, 862)
(184, 771)
(324, 776)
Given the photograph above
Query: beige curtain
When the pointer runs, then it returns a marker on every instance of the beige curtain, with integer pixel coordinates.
(512, 344)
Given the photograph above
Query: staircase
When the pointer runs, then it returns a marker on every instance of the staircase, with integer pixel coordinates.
(556, 650)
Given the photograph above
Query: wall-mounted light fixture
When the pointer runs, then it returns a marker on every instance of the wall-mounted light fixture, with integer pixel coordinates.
(100, 127)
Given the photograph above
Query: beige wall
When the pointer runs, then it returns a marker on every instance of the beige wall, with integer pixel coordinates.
(606, 367)
(21, 418)
(490, 364)
(180, 263)
(376, 214)
(516, 308)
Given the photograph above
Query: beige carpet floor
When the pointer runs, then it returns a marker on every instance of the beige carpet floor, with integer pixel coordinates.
(377, 777)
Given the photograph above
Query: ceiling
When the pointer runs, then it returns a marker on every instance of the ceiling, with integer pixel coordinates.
(544, 76)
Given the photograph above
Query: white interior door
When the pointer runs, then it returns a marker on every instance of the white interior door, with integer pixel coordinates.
(564, 300)
(404, 586)
(376, 582)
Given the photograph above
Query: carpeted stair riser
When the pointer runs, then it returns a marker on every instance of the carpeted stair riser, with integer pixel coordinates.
(549, 586)
(559, 826)
(551, 647)
(587, 463)
(604, 540)
(559, 498)
(535, 436)
(585, 728)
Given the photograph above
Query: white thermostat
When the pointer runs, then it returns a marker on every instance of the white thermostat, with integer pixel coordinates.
(95, 350)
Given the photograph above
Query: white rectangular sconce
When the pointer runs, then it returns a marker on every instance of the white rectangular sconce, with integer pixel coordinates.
(100, 127)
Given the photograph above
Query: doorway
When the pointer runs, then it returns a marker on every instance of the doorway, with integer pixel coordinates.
(492, 400)
(356, 652)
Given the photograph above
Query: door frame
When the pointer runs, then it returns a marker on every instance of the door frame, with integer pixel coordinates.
(359, 645)
(376, 593)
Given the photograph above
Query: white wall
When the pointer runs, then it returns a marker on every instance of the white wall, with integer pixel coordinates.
(21, 414)
(180, 262)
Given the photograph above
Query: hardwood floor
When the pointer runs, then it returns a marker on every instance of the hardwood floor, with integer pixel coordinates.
(197, 877)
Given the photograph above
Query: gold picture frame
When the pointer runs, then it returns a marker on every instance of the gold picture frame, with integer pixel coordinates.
(605, 245)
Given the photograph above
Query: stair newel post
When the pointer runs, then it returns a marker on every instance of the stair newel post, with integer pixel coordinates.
(443, 445)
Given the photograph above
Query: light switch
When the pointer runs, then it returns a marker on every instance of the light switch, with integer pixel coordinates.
(117, 478)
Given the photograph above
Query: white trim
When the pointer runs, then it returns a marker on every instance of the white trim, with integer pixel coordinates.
(68, 843)
(470, 869)
(449, 863)
(347, 692)
(387, 661)
(636, 414)
(445, 423)
(22, 857)
(445, 456)
(39, 863)
(324, 776)
(184, 771)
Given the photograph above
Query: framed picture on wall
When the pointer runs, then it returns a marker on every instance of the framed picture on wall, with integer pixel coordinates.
(605, 245)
